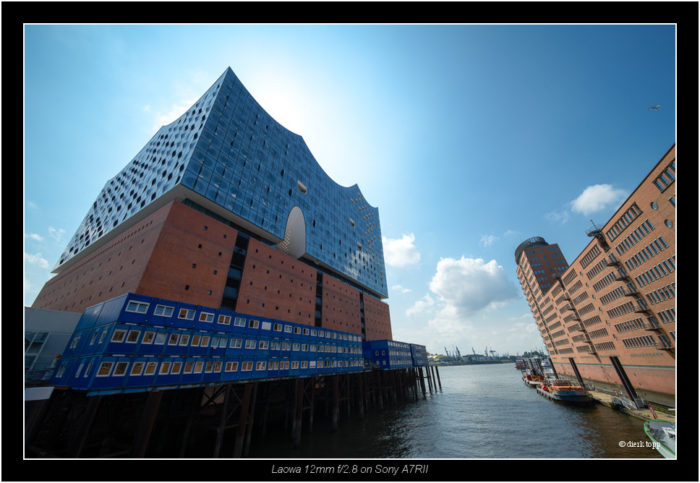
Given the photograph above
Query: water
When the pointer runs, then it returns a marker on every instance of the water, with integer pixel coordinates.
(484, 411)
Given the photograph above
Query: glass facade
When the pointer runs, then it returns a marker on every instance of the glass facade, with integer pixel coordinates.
(227, 149)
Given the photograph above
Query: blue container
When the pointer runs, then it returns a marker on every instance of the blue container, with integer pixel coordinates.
(82, 372)
(213, 367)
(193, 370)
(260, 368)
(235, 346)
(224, 321)
(178, 343)
(136, 309)
(111, 373)
(65, 369)
(153, 341)
(232, 369)
(219, 343)
(169, 371)
(205, 318)
(141, 372)
(165, 313)
(89, 317)
(200, 343)
(122, 339)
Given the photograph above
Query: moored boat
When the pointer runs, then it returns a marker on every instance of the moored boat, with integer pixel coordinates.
(564, 391)
(663, 434)
(533, 380)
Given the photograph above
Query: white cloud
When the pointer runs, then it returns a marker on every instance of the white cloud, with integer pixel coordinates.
(34, 236)
(596, 198)
(56, 233)
(558, 216)
(400, 252)
(36, 260)
(468, 285)
(488, 240)
(401, 289)
(422, 306)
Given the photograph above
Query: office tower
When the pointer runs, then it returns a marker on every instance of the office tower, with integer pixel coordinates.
(224, 207)
(610, 317)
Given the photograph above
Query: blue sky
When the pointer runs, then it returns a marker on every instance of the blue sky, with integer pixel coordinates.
(469, 139)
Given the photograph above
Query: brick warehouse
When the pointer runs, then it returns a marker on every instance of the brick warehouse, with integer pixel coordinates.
(224, 207)
(609, 317)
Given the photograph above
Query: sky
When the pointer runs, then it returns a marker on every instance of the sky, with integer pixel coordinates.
(468, 138)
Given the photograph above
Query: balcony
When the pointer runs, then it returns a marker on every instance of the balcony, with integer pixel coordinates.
(652, 325)
(575, 328)
(622, 275)
(613, 261)
(641, 306)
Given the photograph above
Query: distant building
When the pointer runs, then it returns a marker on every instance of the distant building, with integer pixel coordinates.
(46, 333)
(610, 317)
(226, 208)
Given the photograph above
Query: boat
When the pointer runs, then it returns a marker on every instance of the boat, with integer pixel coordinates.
(663, 435)
(533, 380)
(564, 391)
(519, 364)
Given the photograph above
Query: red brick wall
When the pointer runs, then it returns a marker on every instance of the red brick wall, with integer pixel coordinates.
(377, 319)
(276, 285)
(153, 257)
(110, 271)
(191, 258)
(340, 306)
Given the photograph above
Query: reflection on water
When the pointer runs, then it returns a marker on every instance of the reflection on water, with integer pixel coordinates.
(484, 411)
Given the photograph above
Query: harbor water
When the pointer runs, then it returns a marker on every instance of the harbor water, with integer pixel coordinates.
(484, 411)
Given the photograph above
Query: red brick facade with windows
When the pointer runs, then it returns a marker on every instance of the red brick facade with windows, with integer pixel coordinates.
(377, 319)
(340, 306)
(276, 285)
(616, 301)
(168, 254)
(179, 253)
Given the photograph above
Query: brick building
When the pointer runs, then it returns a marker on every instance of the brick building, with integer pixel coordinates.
(609, 317)
(224, 207)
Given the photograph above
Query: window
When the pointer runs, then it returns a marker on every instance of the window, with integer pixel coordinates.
(304, 347)
(668, 223)
(247, 366)
(231, 366)
(204, 342)
(164, 368)
(151, 368)
(217, 366)
(304, 364)
(177, 366)
(186, 314)
(222, 342)
(261, 365)
(250, 343)
(266, 326)
(214, 342)
(120, 369)
(163, 310)
(306, 331)
(224, 319)
(137, 307)
(118, 335)
(277, 327)
(74, 342)
(297, 330)
(295, 364)
(173, 339)
(188, 367)
(206, 317)
(208, 367)
(253, 324)
(148, 337)
(184, 339)
(239, 322)
(105, 369)
(195, 340)
(133, 336)
(263, 344)
(288, 329)
(94, 336)
(235, 344)
(198, 367)
(102, 336)
(89, 368)
(295, 346)
(137, 368)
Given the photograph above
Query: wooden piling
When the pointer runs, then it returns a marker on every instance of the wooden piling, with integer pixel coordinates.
(145, 427)
(242, 420)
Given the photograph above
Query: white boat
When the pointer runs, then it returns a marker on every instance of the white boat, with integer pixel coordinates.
(663, 434)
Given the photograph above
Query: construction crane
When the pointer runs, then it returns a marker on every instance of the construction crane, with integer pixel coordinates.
(458, 354)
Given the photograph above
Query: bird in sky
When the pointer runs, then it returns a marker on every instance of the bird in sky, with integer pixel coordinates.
(654, 108)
